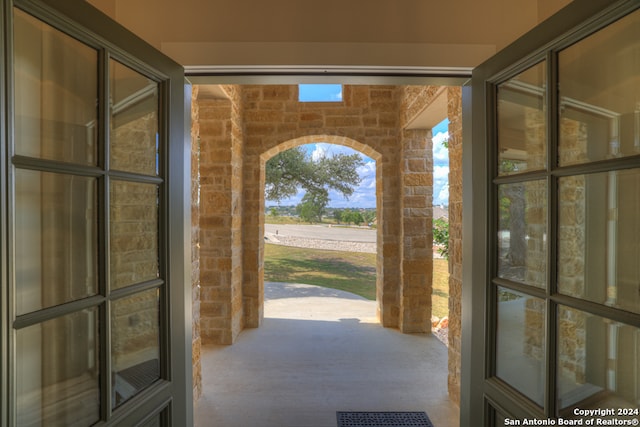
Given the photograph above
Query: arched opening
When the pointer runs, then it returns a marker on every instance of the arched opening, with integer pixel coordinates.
(329, 238)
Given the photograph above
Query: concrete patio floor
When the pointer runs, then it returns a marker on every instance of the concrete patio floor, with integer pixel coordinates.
(320, 351)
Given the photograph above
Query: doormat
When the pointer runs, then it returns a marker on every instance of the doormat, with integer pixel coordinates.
(383, 419)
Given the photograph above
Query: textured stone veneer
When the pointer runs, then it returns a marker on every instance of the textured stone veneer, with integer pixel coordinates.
(239, 133)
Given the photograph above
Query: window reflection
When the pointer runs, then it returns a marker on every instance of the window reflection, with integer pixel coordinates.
(56, 91)
(135, 336)
(56, 239)
(598, 363)
(520, 343)
(57, 364)
(134, 233)
(522, 122)
(600, 109)
(134, 121)
(598, 247)
(522, 228)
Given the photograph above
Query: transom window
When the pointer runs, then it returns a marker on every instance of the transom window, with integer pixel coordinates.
(320, 93)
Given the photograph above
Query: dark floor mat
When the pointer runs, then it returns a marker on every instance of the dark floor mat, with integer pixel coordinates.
(383, 419)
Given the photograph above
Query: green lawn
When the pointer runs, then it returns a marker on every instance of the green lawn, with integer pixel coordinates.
(353, 272)
(440, 293)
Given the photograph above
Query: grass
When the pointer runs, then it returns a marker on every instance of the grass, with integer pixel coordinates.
(353, 272)
(268, 219)
(440, 293)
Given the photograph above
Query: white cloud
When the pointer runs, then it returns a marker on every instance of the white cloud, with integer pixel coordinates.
(440, 153)
(443, 196)
(441, 172)
(324, 148)
(318, 152)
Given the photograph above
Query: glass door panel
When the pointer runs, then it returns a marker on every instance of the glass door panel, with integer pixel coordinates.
(598, 244)
(522, 122)
(520, 343)
(56, 93)
(56, 239)
(522, 232)
(561, 168)
(134, 120)
(134, 228)
(88, 216)
(58, 367)
(135, 351)
(598, 365)
(599, 109)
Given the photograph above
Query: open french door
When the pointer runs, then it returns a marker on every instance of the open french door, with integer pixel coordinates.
(94, 188)
(552, 225)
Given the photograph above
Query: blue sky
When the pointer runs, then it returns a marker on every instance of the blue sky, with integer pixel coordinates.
(320, 93)
(365, 195)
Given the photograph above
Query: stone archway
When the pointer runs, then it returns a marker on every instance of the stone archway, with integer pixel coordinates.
(368, 115)
(336, 140)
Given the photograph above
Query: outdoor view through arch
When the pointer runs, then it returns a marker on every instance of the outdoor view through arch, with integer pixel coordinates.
(329, 240)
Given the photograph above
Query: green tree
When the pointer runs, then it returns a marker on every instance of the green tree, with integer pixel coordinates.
(293, 169)
(357, 218)
(369, 216)
(441, 236)
(349, 216)
(313, 206)
(337, 215)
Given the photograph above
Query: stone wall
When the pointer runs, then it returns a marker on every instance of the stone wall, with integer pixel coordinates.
(195, 244)
(454, 96)
(220, 219)
(417, 99)
(368, 120)
(417, 230)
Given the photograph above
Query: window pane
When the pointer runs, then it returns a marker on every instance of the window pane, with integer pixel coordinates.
(520, 343)
(599, 247)
(58, 371)
(320, 93)
(134, 121)
(522, 122)
(600, 109)
(598, 363)
(135, 341)
(522, 232)
(56, 89)
(56, 239)
(134, 233)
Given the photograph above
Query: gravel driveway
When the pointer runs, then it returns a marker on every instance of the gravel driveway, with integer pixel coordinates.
(322, 237)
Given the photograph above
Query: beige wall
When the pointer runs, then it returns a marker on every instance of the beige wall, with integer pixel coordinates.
(332, 32)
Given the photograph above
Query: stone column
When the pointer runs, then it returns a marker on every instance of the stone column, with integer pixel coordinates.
(454, 112)
(195, 245)
(417, 232)
(388, 259)
(220, 223)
